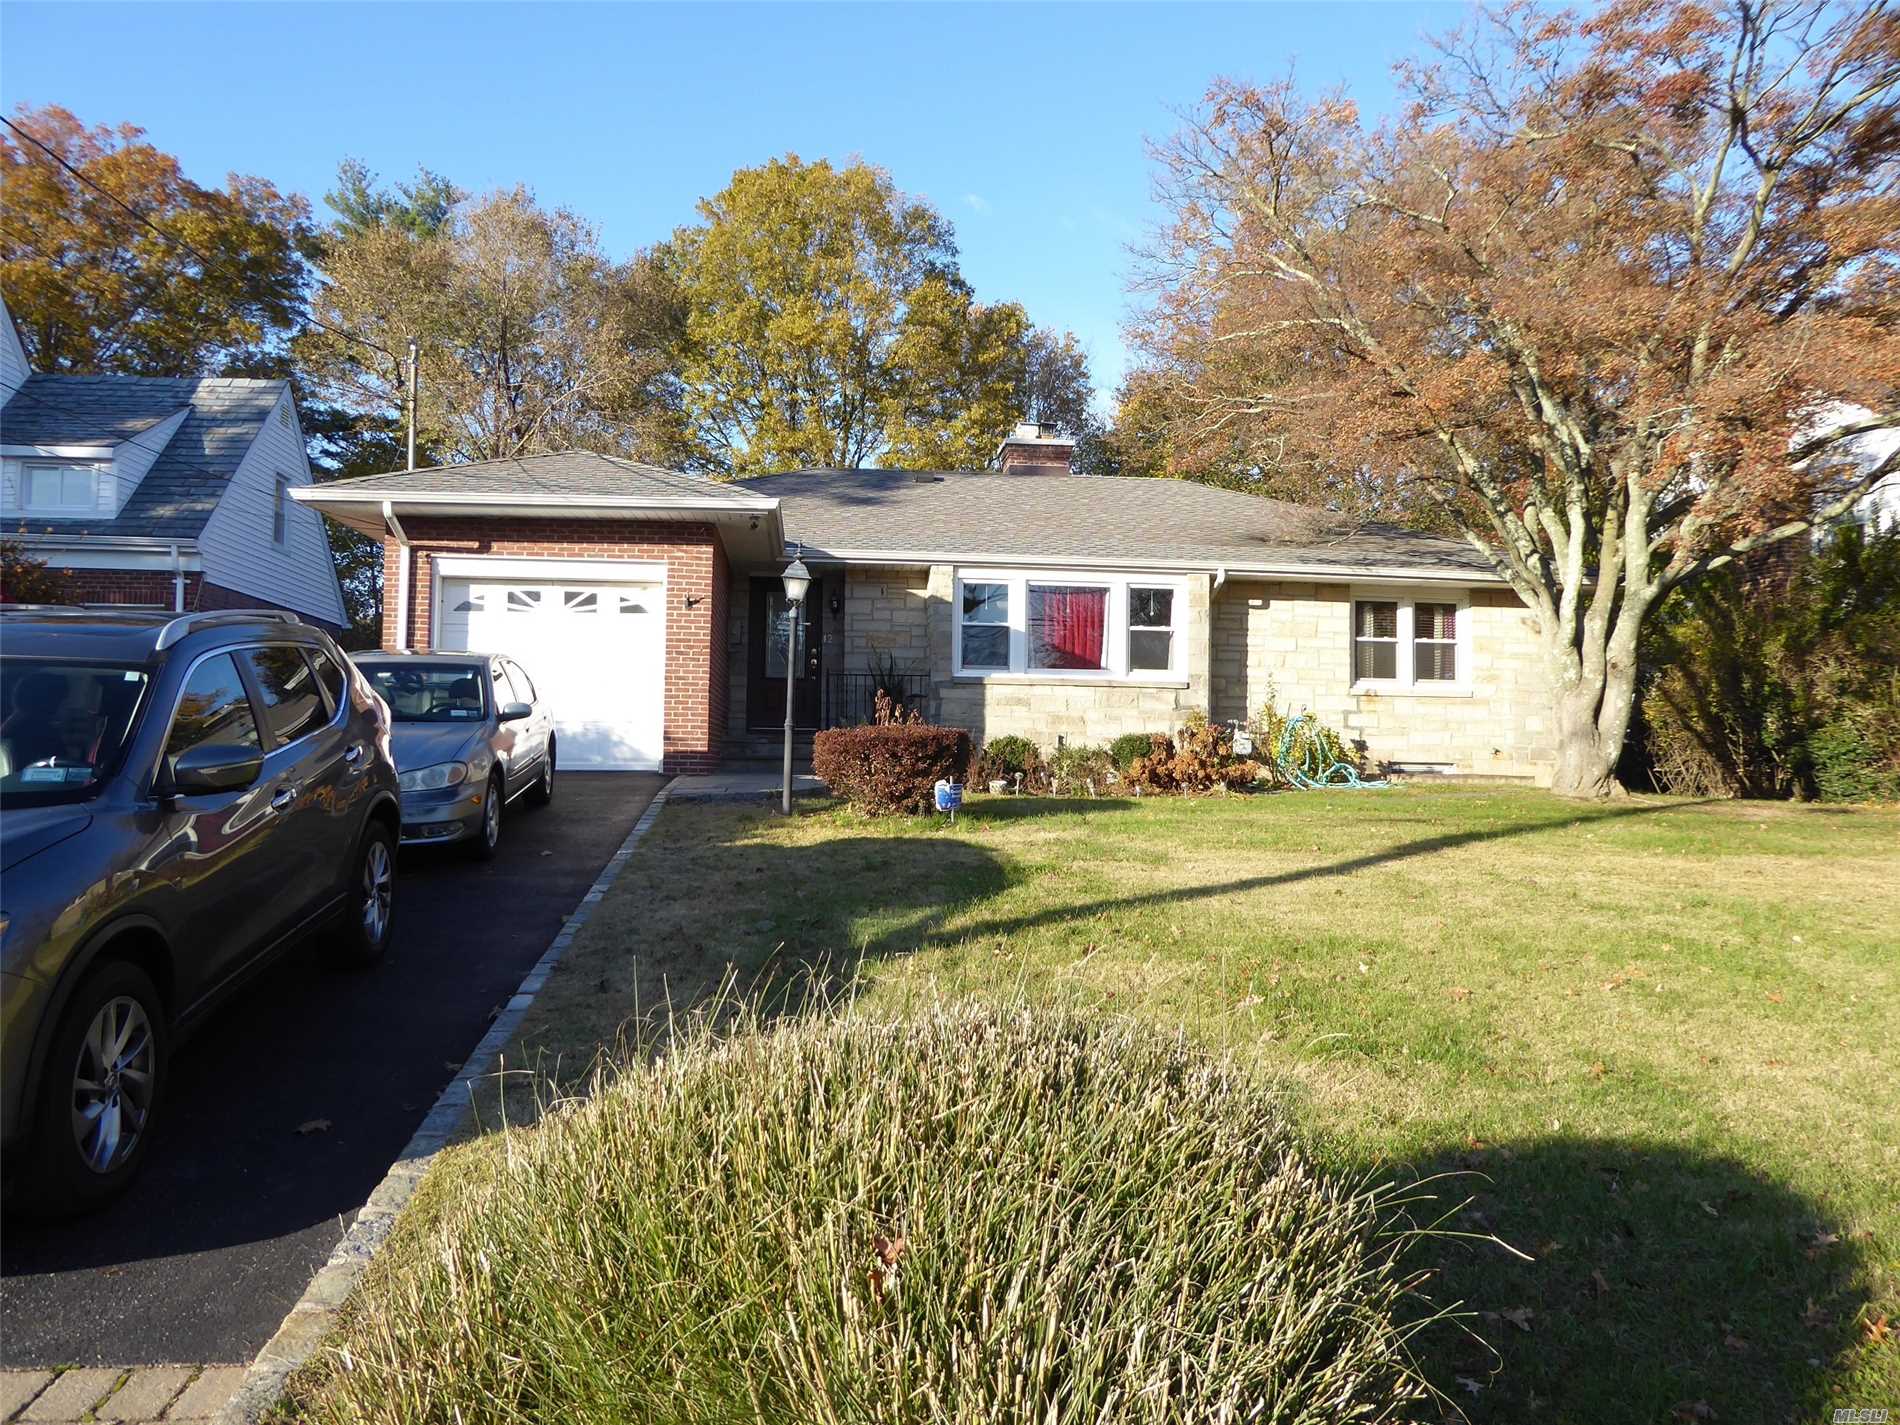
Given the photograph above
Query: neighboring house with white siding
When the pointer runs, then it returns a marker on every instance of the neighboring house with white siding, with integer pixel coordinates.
(162, 492)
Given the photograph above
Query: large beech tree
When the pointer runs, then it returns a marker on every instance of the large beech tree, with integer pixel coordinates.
(1614, 295)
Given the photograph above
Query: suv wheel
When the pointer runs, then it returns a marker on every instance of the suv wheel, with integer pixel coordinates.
(364, 934)
(543, 792)
(99, 1089)
(487, 838)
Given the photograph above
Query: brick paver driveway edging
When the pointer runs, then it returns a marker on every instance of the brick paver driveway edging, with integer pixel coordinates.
(312, 1318)
(144, 1395)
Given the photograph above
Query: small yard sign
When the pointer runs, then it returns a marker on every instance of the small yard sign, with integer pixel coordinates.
(949, 797)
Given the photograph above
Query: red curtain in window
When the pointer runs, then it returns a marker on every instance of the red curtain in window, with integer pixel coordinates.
(1069, 627)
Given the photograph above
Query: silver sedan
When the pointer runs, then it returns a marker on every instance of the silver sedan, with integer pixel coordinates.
(470, 737)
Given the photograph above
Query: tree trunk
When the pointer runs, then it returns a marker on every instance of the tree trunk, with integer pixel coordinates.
(1592, 711)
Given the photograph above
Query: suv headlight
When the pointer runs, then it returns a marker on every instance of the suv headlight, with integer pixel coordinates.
(429, 779)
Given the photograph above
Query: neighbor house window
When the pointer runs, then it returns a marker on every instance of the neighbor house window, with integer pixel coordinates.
(279, 496)
(60, 489)
(986, 625)
(1081, 625)
(1408, 643)
(1068, 626)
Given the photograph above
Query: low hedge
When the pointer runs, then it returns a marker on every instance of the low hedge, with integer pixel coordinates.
(972, 1214)
(893, 768)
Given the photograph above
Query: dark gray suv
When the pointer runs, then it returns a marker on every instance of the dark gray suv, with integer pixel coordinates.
(181, 797)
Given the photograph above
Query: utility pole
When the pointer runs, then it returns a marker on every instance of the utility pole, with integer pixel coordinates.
(415, 377)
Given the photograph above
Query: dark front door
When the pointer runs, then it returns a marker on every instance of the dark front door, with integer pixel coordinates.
(769, 640)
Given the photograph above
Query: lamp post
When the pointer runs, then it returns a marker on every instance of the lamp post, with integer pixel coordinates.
(797, 582)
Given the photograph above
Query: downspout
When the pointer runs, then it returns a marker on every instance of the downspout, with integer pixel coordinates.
(394, 526)
(1213, 593)
(178, 582)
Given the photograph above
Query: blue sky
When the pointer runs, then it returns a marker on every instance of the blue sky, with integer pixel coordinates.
(1024, 124)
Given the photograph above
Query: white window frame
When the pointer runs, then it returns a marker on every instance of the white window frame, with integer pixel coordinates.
(280, 509)
(1406, 683)
(1115, 630)
(88, 510)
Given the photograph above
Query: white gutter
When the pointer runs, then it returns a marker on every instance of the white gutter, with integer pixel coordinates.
(178, 582)
(402, 574)
(1327, 573)
(317, 495)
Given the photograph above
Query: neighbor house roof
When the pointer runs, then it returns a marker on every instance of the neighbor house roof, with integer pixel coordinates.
(907, 516)
(223, 416)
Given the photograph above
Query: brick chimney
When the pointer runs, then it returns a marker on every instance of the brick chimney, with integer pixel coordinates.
(1034, 449)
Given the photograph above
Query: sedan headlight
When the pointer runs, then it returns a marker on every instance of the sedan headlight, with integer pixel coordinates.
(429, 779)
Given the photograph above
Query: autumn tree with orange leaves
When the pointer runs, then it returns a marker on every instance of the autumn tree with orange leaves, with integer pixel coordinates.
(113, 261)
(1613, 296)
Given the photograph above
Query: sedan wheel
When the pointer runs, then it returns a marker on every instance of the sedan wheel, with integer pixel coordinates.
(482, 845)
(112, 1084)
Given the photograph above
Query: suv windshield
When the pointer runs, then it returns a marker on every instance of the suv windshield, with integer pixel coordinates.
(436, 692)
(62, 725)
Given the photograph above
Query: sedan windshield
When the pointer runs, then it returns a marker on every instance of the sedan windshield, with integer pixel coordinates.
(62, 726)
(436, 692)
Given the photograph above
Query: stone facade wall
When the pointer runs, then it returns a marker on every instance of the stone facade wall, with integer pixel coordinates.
(1292, 643)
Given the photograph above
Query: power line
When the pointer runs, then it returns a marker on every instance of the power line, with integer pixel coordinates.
(177, 241)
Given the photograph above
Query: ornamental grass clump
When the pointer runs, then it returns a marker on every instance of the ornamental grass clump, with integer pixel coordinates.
(969, 1215)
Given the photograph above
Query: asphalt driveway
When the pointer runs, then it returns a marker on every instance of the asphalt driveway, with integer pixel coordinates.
(237, 1206)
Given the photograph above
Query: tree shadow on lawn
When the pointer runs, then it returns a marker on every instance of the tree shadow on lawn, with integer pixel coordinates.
(1662, 1276)
(1664, 1284)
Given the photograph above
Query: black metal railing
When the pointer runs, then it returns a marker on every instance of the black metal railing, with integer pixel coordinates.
(851, 698)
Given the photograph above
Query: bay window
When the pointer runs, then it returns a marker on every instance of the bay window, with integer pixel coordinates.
(1098, 627)
(1408, 644)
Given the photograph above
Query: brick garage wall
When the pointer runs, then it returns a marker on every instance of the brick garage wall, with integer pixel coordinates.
(696, 575)
(1292, 642)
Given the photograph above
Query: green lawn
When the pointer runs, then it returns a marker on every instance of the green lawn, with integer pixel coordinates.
(1655, 1041)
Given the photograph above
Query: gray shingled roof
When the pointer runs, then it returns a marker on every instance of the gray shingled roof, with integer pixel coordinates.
(183, 486)
(988, 515)
(582, 474)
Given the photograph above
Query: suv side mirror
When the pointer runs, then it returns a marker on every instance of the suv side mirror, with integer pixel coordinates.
(514, 712)
(215, 767)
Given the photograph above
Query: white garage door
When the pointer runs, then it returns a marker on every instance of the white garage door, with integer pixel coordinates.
(595, 650)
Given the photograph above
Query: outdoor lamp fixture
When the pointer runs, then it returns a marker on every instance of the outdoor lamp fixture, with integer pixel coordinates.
(797, 584)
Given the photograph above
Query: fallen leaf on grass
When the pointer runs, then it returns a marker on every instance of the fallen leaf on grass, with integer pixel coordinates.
(1466, 1383)
(1519, 1317)
(1692, 1410)
(1597, 1069)
(1734, 1343)
(889, 1249)
(1459, 992)
(1879, 1331)
(313, 1125)
(1706, 1208)
(1814, 1318)
(1820, 1242)
(1774, 997)
(1599, 1284)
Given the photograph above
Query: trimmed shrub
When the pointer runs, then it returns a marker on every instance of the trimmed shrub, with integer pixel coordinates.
(970, 1214)
(1008, 758)
(1199, 758)
(893, 767)
(1130, 746)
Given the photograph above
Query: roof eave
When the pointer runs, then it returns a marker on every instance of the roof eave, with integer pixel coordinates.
(750, 527)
